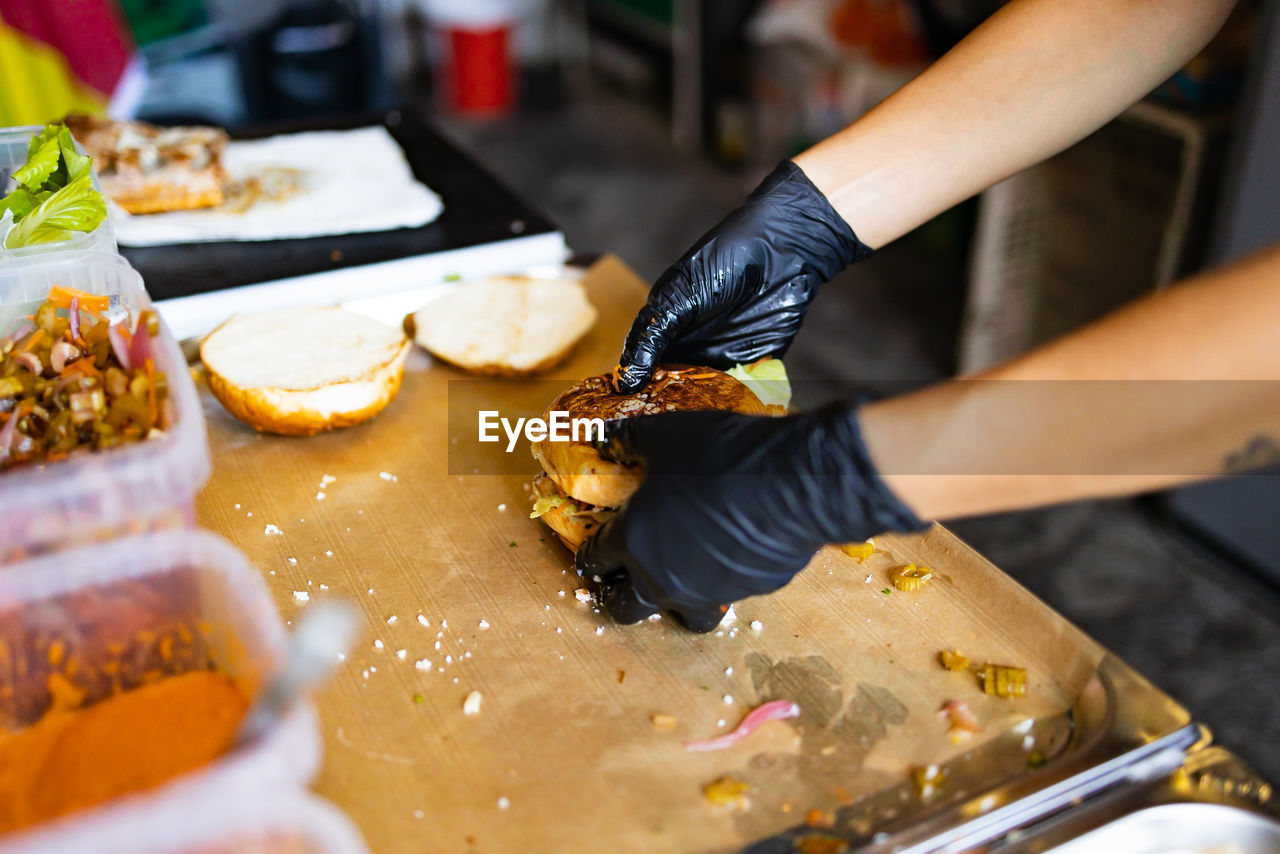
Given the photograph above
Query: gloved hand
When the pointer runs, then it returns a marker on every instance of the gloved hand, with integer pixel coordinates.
(732, 506)
(741, 292)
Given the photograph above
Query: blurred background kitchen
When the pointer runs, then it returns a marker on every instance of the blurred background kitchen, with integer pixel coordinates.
(635, 124)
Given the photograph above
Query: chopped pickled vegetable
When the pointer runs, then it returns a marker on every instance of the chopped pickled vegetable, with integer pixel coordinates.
(961, 720)
(71, 383)
(661, 721)
(910, 578)
(820, 818)
(927, 779)
(1003, 681)
(860, 551)
(727, 791)
(775, 710)
(953, 659)
(1035, 759)
(820, 843)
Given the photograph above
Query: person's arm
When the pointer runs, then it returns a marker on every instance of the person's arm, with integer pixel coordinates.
(1036, 77)
(1181, 385)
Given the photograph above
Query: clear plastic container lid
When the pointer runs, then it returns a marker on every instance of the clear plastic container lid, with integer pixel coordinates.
(100, 494)
(13, 154)
(91, 623)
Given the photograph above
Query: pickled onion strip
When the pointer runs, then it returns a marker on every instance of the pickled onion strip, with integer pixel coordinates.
(120, 346)
(775, 710)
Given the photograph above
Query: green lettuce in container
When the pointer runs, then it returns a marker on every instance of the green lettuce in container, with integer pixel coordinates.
(54, 195)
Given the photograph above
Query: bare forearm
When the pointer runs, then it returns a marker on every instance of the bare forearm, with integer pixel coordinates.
(1182, 385)
(1031, 81)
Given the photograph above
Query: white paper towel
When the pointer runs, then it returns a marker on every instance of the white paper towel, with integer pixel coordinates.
(354, 181)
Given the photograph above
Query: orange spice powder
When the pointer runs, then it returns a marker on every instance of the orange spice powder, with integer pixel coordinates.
(69, 760)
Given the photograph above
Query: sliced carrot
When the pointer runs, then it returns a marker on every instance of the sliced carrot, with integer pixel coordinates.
(61, 297)
(32, 341)
(83, 366)
(151, 391)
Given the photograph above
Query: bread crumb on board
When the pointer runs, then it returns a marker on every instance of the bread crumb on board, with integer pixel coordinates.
(471, 705)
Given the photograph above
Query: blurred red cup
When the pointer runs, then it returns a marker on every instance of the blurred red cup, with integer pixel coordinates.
(476, 74)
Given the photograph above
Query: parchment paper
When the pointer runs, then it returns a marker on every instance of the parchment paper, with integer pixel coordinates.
(563, 756)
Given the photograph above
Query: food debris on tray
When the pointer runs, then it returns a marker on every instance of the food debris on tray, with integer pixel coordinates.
(776, 710)
(961, 720)
(858, 551)
(927, 779)
(1003, 680)
(663, 722)
(727, 791)
(910, 578)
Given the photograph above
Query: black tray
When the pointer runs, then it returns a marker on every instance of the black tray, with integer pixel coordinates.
(478, 209)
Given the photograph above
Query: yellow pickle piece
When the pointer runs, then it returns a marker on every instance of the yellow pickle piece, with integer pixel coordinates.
(1003, 680)
(953, 659)
(820, 843)
(910, 578)
(727, 791)
(860, 551)
(927, 779)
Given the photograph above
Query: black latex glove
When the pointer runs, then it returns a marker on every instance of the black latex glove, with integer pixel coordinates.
(732, 506)
(741, 292)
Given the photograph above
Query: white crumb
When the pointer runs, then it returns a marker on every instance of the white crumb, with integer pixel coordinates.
(377, 644)
(326, 479)
(301, 596)
(502, 508)
(728, 699)
(599, 630)
(471, 704)
(319, 496)
(391, 621)
(388, 476)
(271, 530)
(423, 621)
(730, 617)
(293, 561)
(401, 654)
(728, 671)
(503, 803)
(756, 625)
(423, 664)
(583, 595)
(561, 594)
(483, 624)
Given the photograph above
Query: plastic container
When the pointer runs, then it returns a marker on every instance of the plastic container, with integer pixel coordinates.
(286, 822)
(13, 154)
(173, 602)
(97, 495)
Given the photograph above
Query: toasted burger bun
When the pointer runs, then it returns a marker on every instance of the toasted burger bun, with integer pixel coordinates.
(505, 326)
(301, 371)
(577, 467)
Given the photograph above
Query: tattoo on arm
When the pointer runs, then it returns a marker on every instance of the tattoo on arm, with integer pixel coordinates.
(1259, 452)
